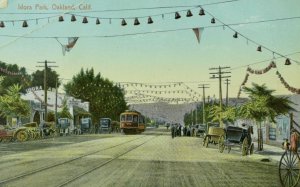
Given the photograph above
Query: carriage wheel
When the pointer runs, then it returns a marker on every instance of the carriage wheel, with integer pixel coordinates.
(221, 144)
(245, 147)
(251, 148)
(22, 136)
(289, 169)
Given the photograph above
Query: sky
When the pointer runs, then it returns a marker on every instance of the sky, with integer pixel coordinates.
(157, 57)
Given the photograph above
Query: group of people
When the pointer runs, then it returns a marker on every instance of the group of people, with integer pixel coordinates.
(180, 130)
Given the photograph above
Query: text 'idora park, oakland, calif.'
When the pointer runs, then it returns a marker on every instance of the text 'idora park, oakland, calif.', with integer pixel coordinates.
(54, 6)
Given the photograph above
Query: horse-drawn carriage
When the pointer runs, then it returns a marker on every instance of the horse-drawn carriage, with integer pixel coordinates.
(237, 136)
(213, 135)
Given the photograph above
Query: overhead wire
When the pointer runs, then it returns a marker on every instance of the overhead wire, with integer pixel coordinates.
(249, 39)
(162, 31)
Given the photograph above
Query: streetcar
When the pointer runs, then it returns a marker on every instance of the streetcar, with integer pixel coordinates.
(132, 122)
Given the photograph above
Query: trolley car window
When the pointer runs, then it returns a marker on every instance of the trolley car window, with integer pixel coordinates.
(135, 118)
(141, 119)
(128, 117)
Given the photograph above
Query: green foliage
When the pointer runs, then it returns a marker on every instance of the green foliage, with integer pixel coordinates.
(263, 105)
(51, 116)
(64, 113)
(9, 80)
(106, 99)
(12, 105)
(38, 78)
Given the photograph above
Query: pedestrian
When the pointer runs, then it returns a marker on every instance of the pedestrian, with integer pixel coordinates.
(173, 129)
(184, 130)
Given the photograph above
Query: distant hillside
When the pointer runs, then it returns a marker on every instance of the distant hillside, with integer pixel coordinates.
(173, 113)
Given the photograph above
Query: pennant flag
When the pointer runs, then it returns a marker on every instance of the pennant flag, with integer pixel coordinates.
(198, 33)
(3, 3)
(71, 43)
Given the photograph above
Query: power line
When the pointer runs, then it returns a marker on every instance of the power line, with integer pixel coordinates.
(153, 32)
(267, 60)
(247, 38)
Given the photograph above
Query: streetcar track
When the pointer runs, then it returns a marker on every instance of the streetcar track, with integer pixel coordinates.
(11, 179)
(103, 164)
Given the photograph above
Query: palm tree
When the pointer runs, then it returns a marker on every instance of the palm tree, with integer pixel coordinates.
(264, 106)
(12, 105)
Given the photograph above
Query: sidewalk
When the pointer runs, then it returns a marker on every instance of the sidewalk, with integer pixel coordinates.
(270, 152)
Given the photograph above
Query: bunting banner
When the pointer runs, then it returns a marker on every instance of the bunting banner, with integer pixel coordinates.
(71, 43)
(3, 3)
(198, 32)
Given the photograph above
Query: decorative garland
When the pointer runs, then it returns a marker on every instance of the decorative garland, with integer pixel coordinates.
(9, 72)
(265, 70)
(243, 84)
(290, 88)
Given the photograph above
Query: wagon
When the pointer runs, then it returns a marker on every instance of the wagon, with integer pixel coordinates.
(237, 136)
(6, 134)
(213, 135)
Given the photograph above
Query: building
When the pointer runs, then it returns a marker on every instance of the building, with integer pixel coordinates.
(35, 96)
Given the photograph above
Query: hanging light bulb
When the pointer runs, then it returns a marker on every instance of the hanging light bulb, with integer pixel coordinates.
(136, 21)
(201, 12)
(61, 18)
(123, 23)
(150, 21)
(177, 15)
(189, 13)
(73, 18)
(287, 62)
(213, 21)
(85, 20)
(97, 21)
(2, 24)
(259, 48)
(235, 35)
(25, 24)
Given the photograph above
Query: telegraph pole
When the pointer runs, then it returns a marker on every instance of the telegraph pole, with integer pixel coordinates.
(45, 85)
(203, 86)
(220, 74)
(227, 82)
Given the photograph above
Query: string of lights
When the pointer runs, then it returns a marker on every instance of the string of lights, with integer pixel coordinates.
(237, 34)
(267, 60)
(152, 32)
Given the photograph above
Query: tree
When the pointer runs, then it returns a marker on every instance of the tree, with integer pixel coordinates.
(12, 105)
(65, 113)
(11, 75)
(106, 99)
(52, 77)
(225, 115)
(263, 106)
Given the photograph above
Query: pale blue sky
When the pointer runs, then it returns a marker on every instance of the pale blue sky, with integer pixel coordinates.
(160, 57)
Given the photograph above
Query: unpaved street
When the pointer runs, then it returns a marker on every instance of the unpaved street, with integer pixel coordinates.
(150, 159)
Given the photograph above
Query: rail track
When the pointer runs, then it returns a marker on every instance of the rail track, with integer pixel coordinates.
(45, 168)
(103, 164)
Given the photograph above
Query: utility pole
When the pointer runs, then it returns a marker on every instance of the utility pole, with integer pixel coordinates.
(220, 75)
(45, 85)
(227, 82)
(203, 86)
